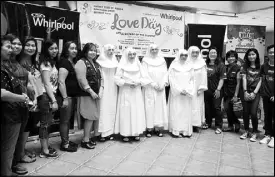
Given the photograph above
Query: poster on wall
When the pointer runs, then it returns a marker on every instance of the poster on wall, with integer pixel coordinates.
(126, 25)
(205, 36)
(243, 37)
(57, 24)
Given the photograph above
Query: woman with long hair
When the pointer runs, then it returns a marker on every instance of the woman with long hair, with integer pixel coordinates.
(216, 73)
(69, 91)
(108, 102)
(231, 90)
(155, 68)
(89, 76)
(47, 103)
(180, 96)
(130, 115)
(14, 110)
(251, 85)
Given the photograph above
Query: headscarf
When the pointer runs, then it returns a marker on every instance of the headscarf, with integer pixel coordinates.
(104, 61)
(125, 64)
(156, 61)
(176, 62)
(197, 63)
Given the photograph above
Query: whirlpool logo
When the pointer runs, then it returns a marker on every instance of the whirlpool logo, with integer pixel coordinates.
(51, 25)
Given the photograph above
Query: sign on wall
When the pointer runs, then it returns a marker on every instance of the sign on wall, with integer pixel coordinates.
(243, 37)
(205, 36)
(129, 25)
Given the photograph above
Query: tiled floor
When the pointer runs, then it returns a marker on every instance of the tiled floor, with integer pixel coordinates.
(205, 153)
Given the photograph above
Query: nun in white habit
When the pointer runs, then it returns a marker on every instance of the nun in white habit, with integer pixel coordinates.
(130, 115)
(180, 96)
(108, 101)
(155, 68)
(200, 85)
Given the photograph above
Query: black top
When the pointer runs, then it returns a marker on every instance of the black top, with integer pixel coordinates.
(252, 78)
(72, 86)
(267, 74)
(231, 81)
(214, 74)
(12, 112)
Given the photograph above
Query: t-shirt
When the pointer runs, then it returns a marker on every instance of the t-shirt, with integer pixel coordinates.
(231, 81)
(214, 74)
(53, 76)
(252, 77)
(72, 87)
(267, 74)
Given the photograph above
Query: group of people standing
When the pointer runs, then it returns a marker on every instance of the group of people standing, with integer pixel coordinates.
(125, 97)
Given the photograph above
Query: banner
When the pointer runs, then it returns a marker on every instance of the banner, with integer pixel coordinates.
(205, 36)
(46, 22)
(243, 37)
(14, 19)
(126, 25)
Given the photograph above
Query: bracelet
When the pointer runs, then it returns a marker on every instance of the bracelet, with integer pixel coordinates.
(218, 90)
(54, 102)
(88, 89)
(65, 98)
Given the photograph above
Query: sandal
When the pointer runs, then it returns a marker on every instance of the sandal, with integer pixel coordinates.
(218, 131)
(137, 138)
(27, 159)
(92, 141)
(205, 126)
(30, 154)
(149, 133)
(125, 139)
(158, 133)
(228, 129)
(175, 136)
(87, 145)
(102, 139)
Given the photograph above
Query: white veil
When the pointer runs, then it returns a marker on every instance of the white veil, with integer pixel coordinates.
(196, 62)
(158, 60)
(124, 61)
(176, 62)
(104, 61)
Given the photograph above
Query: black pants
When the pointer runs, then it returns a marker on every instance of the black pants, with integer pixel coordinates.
(250, 109)
(231, 117)
(268, 116)
(9, 137)
(213, 109)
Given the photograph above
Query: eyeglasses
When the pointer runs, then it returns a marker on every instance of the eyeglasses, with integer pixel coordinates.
(183, 55)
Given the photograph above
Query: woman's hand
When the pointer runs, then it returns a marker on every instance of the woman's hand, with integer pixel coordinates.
(234, 99)
(217, 94)
(252, 95)
(54, 106)
(94, 95)
(65, 103)
(246, 96)
(272, 99)
(183, 92)
(25, 98)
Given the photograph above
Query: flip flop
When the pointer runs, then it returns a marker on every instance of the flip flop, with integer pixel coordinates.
(218, 131)
(27, 159)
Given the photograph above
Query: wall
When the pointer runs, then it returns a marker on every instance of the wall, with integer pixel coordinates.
(269, 37)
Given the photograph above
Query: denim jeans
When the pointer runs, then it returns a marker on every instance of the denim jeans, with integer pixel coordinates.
(231, 117)
(46, 115)
(213, 109)
(250, 108)
(65, 116)
(9, 137)
(268, 116)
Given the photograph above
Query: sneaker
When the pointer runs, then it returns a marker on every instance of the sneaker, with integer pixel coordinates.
(68, 147)
(244, 136)
(253, 137)
(271, 143)
(265, 140)
(50, 154)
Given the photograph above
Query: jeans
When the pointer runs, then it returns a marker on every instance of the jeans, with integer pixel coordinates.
(46, 115)
(268, 116)
(9, 137)
(213, 109)
(231, 117)
(65, 115)
(250, 108)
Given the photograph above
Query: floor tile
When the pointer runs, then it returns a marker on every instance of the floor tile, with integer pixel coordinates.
(236, 142)
(79, 157)
(229, 170)
(259, 173)
(130, 168)
(86, 171)
(202, 168)
(235, 161)
(205, 156)
(57, 167)
(171, 162)
(160, 171)
(211, 137)
(235, 150)
(37, 164)
(117, 150)
(208, 145)
(143, 156)
(153, 145)
(183, 141)
(263, 165)
(103, 162)
(177, 150)
(35, 174)
(262, 154)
